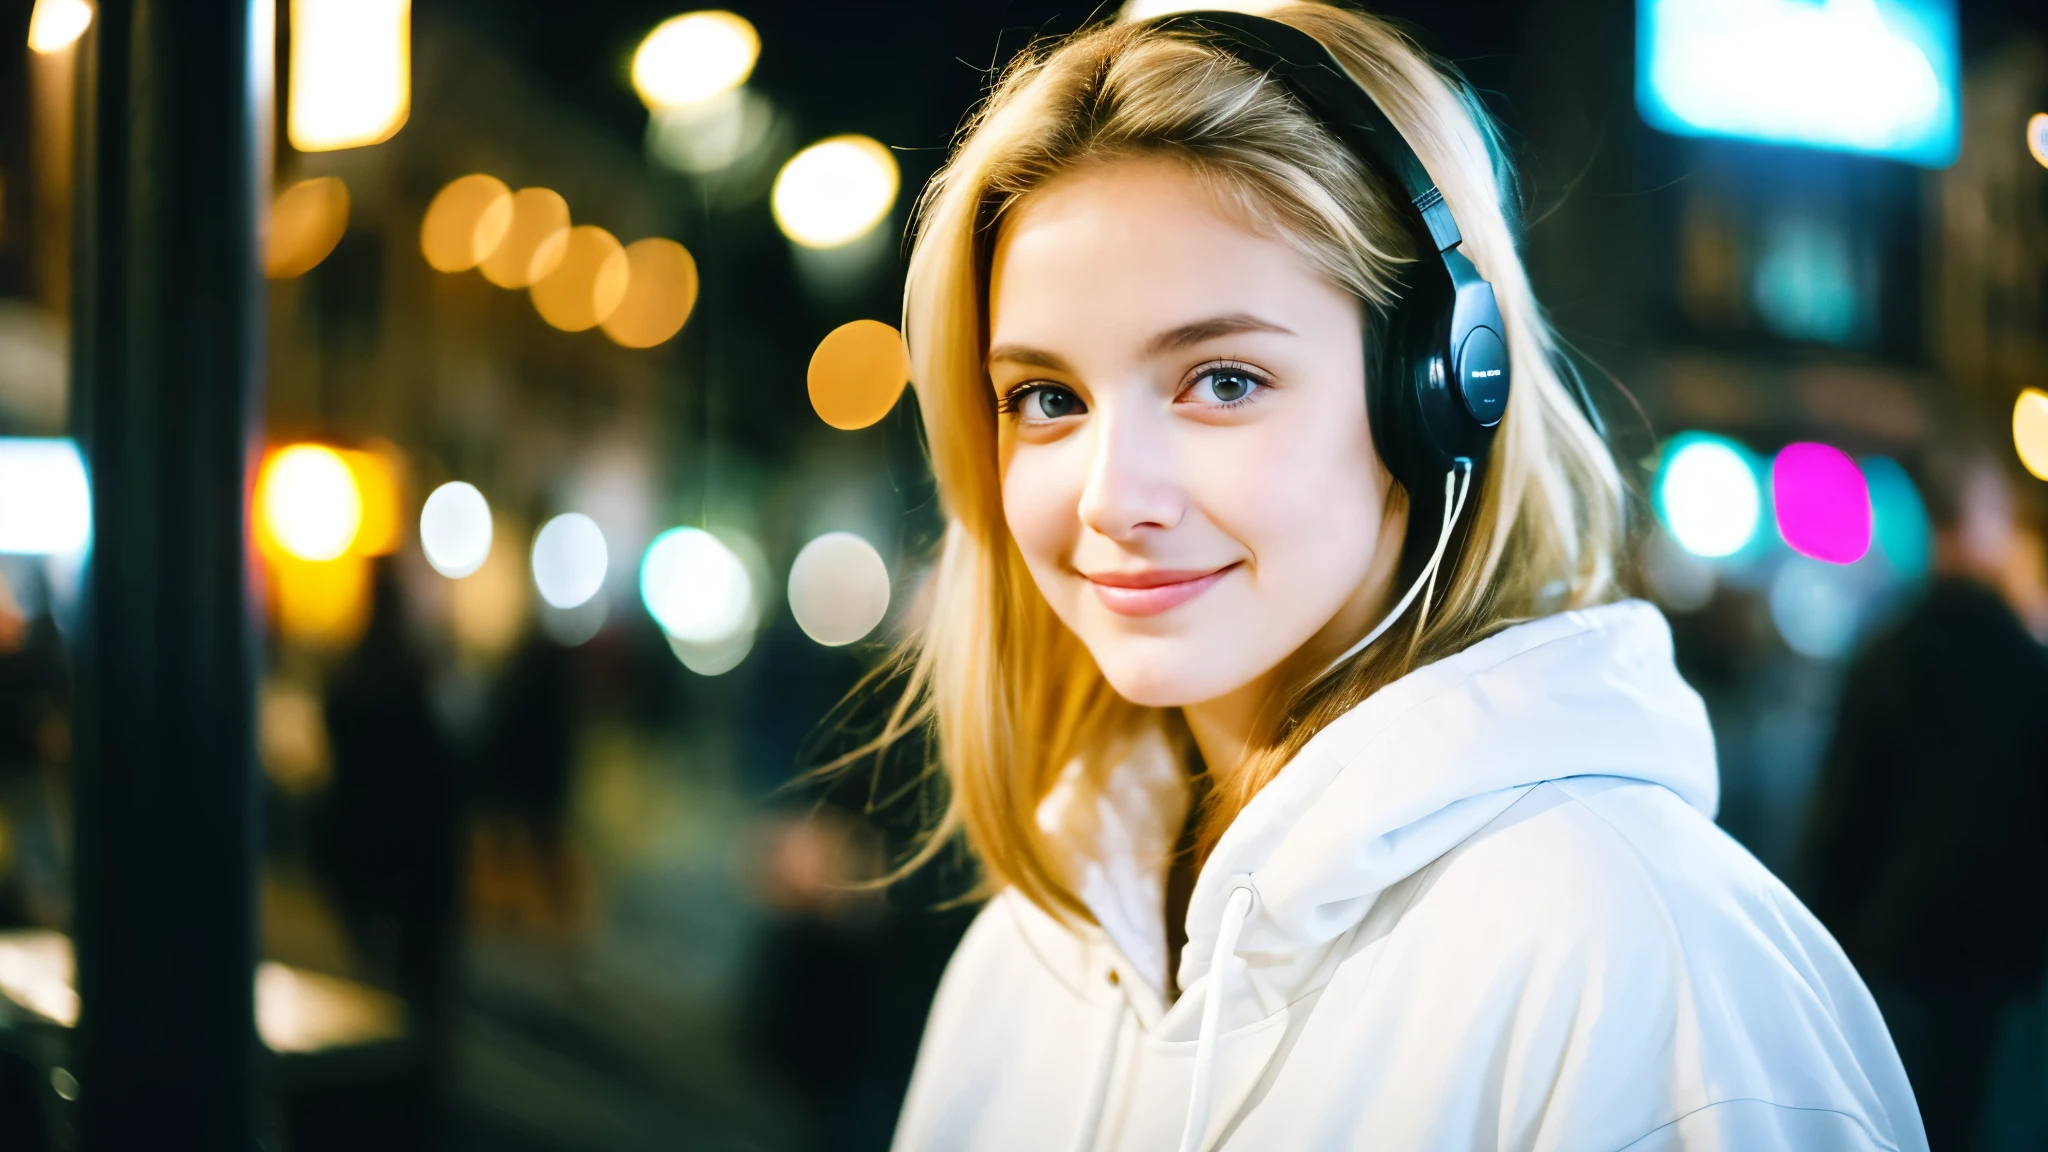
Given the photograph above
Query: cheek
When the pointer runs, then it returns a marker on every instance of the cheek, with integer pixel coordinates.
(1041, 505)
(1304, 496)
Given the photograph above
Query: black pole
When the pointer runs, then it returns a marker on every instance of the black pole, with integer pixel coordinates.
(174, 172)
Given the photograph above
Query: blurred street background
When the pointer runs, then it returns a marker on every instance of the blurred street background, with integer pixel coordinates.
(588, 490)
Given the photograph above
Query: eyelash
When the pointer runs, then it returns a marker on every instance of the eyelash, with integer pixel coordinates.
(1012, 401)
(1215, 367)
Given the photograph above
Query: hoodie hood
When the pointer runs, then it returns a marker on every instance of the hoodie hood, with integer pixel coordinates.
(1387, 788)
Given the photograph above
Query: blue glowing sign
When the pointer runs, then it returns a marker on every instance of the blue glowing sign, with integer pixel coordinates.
(1872, 76)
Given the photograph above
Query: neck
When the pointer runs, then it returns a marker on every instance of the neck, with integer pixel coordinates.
(1226, 728)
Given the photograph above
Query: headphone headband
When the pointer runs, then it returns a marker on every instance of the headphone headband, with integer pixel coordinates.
(1443, 374)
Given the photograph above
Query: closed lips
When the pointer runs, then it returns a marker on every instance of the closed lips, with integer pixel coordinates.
(1150, 592)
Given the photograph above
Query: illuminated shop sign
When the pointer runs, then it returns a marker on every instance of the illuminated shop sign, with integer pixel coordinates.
(1871, 76)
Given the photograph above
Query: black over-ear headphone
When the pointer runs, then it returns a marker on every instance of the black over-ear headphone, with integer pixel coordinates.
(1437, 383)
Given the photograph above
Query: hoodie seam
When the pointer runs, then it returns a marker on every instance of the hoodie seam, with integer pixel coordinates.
(1858, 1121)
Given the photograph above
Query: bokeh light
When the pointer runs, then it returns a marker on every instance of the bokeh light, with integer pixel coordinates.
(306, 222)
(2030, 431)
(716, 657)
(857, 373)
(661, 289)
(488, 609)
(56, 24)
(695, 587)
(351, 72)
(838, 588)
(833, 192)
(569, 560)
(45, 500)
(1822, 502)
(1898, 519)
(455, 529)
(713, 134)
(1707, 496)
(466, 222)
(1816, 607)
(522, 255)
(377, 473)
(2037, 137)
(588, 282)
(321, 603)
(573, 627)
(307, 502)
(693, 57)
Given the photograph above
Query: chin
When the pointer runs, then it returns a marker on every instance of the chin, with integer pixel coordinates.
(1166, 676)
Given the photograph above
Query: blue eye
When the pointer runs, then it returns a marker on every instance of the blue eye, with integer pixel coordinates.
(1040, 402)
(1224, 386)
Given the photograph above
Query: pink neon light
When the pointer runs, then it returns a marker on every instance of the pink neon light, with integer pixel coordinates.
(1823, 503)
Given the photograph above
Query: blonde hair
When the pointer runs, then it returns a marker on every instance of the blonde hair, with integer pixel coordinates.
(1011, 695)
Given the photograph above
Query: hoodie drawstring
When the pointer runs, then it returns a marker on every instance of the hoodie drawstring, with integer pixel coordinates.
(1234, 915)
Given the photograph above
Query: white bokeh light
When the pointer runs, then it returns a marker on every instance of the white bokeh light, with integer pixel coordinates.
(695, 587)
(455, 529)
(310, 502)
(838, 588)
(1708, 498)
(833, 192)
(569, 560)
(693, 57)
(45, 501)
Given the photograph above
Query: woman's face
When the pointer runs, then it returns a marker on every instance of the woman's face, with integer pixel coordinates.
(1186, 463)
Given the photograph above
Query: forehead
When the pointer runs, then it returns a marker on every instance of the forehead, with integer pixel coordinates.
(1134, 247)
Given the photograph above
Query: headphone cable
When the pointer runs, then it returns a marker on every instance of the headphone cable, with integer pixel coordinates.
(1458, 481)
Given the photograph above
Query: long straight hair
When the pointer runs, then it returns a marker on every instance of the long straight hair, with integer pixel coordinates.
(1012, 700)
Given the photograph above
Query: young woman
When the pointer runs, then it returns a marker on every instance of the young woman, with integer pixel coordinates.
(1328, 793)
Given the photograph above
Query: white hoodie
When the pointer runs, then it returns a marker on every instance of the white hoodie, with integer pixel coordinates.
(1487, 908)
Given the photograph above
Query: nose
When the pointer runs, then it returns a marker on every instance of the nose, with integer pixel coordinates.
(1133, 488)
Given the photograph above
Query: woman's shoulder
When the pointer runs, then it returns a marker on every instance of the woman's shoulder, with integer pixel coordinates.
(1605, 926)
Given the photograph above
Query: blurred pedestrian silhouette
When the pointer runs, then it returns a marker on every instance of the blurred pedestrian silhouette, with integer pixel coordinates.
(390, 840)
(1924, 850)
(527, 769)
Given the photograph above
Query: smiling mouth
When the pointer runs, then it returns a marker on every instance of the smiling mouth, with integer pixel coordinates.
(1152, 592)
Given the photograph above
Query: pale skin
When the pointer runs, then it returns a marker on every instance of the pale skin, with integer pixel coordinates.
(1187, 467)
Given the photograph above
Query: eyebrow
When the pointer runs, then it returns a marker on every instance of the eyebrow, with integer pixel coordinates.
(1167, 341)
(1209, 329)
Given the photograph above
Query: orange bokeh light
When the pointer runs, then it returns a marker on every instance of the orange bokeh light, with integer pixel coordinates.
(660, 292)
(857, 373)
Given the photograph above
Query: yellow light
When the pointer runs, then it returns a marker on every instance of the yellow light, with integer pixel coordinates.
(833, 192)
(308, 503)
(466, 222)
(2030, 430)
(377, 474)
(2037, 137)
(589, 280)
(57, 24)
(857, 373)
(694, 56)
(351, 72)
(306, 222)
(321, 603)
(661, 288)
(522, 255)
